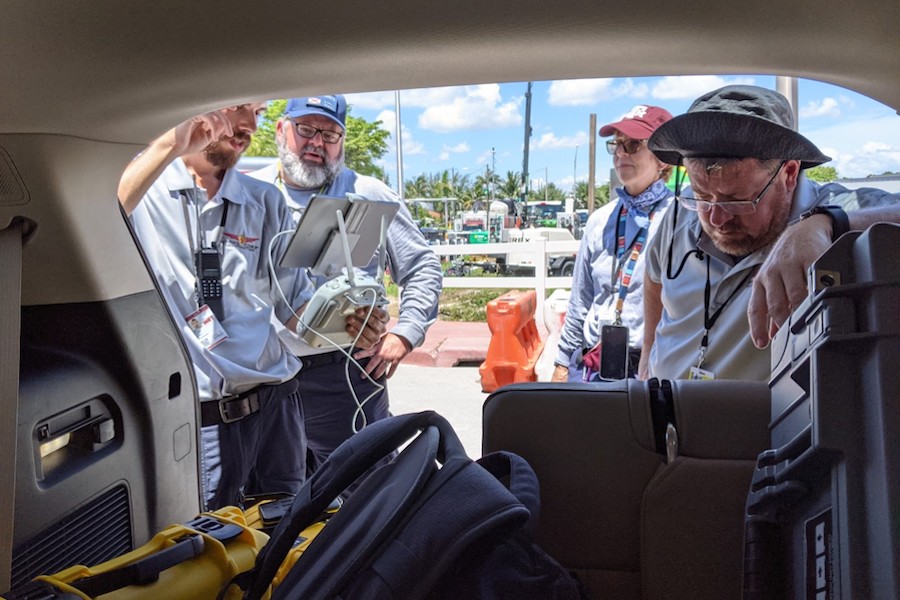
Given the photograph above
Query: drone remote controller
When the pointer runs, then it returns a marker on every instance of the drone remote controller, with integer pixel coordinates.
(326, 313)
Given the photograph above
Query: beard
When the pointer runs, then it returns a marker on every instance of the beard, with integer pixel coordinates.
(220, 154)
(731, 238)
(304, 174)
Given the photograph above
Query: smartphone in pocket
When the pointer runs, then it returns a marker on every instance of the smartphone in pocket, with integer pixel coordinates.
(613, 352)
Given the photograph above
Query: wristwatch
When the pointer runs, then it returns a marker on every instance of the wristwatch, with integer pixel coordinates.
(840, 223)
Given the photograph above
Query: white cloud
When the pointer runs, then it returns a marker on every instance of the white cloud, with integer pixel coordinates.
(458, 148)
(408, 98)
(371, 100)
(447, 151)
(691, 86)
(473, 108)
(549, 141)
(585, 92)
(827, 107)
(425, 97)
(388, 120)
(860, 147)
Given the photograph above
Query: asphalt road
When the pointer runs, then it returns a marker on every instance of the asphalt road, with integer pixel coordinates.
(453, 392)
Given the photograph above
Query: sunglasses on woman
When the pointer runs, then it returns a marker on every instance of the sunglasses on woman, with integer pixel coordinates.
(629, 146)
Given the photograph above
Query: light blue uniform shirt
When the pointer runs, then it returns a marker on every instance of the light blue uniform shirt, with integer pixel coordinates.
(252, 354)
(594, 293)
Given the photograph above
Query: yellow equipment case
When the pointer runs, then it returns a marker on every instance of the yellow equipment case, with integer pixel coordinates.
(191, 561)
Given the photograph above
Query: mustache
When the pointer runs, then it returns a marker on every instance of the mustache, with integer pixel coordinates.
(311, 149)
(241, 136)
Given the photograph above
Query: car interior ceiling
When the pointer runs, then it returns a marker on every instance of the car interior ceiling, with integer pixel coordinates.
(83, 86)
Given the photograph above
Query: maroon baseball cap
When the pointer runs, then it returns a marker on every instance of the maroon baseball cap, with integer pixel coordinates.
(639, 123)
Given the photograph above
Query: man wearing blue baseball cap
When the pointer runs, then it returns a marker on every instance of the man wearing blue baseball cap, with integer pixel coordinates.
(310, 139)
(736, 245)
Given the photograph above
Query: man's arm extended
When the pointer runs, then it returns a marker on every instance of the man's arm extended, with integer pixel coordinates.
(780, 284)
(193, 135)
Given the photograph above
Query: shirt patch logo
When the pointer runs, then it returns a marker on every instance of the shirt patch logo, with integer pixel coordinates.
(242, 241)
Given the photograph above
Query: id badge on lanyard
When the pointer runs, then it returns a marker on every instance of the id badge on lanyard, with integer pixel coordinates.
(205, 322)
(697, 371)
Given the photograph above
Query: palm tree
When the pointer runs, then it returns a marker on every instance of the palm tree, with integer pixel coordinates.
(443, 185)
(483, 184)
(512, 186)
(417, 188)
(601, 194)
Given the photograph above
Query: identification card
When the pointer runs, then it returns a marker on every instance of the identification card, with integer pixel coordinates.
(206, 327)
(698, 373)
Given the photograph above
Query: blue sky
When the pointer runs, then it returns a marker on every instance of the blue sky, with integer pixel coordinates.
(454, 128)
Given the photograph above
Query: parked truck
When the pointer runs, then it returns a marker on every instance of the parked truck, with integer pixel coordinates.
(559, 264)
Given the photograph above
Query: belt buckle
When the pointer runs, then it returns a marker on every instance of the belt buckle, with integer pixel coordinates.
(244, 407)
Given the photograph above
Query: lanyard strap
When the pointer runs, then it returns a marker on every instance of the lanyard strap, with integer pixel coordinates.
(201, 237)
(710, 320)
(628, 270)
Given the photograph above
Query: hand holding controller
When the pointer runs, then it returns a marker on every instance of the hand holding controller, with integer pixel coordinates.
(324, 320)
(326, 313)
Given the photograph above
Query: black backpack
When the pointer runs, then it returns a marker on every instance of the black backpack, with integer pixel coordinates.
(431, 524)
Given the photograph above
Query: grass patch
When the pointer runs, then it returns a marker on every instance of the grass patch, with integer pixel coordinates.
(457, 304)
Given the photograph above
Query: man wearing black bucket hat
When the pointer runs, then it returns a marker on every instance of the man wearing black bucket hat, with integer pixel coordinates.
(730, 258)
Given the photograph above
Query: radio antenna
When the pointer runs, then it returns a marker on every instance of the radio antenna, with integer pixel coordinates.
(382, 248)
(345, 243)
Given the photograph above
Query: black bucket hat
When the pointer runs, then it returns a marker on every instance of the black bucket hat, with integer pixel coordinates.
(736, 121)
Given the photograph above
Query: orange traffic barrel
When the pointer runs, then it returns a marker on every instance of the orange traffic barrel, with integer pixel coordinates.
(515, 343)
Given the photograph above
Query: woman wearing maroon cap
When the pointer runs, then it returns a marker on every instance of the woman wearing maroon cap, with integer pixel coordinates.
(606, 299)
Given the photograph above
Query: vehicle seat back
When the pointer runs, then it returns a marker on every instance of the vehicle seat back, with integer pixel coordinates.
(625, 522)
(692, 516)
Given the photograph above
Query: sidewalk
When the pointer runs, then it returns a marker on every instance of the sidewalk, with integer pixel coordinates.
(450, 344)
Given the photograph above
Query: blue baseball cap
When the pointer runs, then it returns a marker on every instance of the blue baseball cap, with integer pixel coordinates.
(333, 107)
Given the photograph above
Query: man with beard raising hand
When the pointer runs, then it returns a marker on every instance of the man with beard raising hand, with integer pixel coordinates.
(206, 231)
(310, 139)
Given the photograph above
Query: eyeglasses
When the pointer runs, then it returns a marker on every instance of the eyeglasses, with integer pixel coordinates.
(734, 207)
(308, 131)
(629, 146)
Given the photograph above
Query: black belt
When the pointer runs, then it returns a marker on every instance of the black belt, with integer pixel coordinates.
(311, 361)
(229, 410)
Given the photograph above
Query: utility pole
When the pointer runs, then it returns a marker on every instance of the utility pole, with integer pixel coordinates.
(493, 171)
(526, 181)
(575, 171)
(787, 87)
(399, 141)
(592, 162)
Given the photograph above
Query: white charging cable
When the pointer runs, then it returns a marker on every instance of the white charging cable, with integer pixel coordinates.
(359, 412)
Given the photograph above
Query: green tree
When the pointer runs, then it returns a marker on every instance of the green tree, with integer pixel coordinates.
(417, 188)
(822, 174)
(511, 186)
(550, 192)
(364, 142)
(601, 194)
(442, 185)
(483, 184)
(263, 142)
